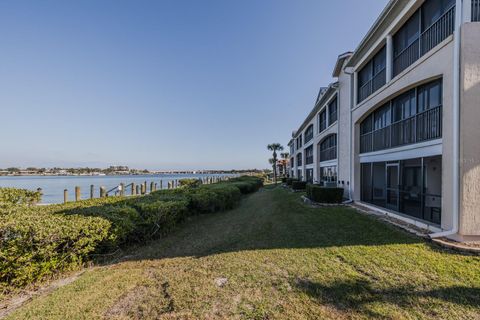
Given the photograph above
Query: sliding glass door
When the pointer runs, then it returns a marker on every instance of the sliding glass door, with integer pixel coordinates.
(393, 178)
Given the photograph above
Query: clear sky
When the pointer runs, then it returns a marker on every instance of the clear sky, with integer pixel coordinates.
(170, 84)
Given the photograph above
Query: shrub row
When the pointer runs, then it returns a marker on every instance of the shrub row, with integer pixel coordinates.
(12, 196)
(298, 185)
(36, 241)
(324, 195)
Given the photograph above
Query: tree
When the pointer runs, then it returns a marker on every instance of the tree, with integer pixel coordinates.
(285, 157)
(274, 147)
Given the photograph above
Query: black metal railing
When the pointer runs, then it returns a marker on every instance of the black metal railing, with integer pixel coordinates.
(328, 154)
(308, 136)
(428, 39)
(332, 117)
(323, 125)
(372, 85)
(475, 10)
(426, 125)
(438, 31)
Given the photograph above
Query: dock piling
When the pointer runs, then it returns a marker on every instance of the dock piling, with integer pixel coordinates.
(77, 193)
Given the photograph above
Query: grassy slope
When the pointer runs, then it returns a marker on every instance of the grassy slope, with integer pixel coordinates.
(283, 260)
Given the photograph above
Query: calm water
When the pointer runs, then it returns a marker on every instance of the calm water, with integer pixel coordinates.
(53, 186)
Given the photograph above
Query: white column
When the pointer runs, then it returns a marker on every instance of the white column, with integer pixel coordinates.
(467, 10)
(355, 88)
(389, 68)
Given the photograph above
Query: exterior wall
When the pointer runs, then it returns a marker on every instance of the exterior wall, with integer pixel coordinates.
(470, 131)
(344, 132)
(430, 66)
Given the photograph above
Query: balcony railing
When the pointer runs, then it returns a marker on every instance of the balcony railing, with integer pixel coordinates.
(328, 154)
(431, 37)
(323, 125)
(475, 10)
(426, 125)
(372, 85)
(308, 136)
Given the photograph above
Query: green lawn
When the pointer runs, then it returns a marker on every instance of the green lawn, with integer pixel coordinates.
(281, 260)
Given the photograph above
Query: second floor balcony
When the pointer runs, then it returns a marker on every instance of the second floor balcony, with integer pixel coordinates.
(424, 126)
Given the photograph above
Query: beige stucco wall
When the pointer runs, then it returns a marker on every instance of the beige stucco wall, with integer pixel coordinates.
(437, 63)
(470, 131)
(343, 136)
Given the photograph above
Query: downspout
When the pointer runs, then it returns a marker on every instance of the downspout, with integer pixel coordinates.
(456, 124)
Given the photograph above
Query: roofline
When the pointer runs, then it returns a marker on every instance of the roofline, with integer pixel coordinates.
(332, 88)
(340, 61)
(390, 5)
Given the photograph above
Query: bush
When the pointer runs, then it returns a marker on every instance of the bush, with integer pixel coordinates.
(189, 183)
(36, 241)
(12, 196)
(298, 185)
(324, 195)
(284, 179)
(290, 181)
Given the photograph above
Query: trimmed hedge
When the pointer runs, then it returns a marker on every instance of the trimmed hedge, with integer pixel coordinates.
(290, 181)
(37, 241)
(324, 195)
(299, 185)
(12, 196)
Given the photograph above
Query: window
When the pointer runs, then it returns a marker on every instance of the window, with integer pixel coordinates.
(429, 96)
(328, 176)
(299, 142)
(299, 159)
(292, 148)
(309, 175)
(292, 162)
(322, 120)
(427, 27)
(328, 148)
(373, 75)
(309, 155)
(332, 111)
(433, 10)
(404, 106)
(309, 133)
(414, 116)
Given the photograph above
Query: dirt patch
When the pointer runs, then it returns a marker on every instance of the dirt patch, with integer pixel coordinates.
(13, 303)
(147, 301)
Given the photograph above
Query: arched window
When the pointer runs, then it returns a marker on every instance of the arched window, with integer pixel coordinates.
(328, 148)
(309, 133)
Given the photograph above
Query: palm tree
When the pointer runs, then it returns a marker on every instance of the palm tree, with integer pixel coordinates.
(273, 164)
(274, 147)
(285, 157)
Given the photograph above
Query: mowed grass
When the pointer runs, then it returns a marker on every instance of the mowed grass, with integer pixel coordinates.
(275, 258)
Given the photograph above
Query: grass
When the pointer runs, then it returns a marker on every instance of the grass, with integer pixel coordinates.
(281, 260)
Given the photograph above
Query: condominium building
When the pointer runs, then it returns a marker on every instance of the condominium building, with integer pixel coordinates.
(399, 128)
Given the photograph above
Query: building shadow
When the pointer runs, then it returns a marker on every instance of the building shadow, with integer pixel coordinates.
(356, 295)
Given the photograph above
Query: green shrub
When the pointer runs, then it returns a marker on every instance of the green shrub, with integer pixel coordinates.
(12, 196)
(189, 183)
(284, 179)
(298, 185)
(290, 181)
(324, 195)
(36, 241)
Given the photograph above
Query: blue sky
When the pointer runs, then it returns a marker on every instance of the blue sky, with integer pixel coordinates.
(171, 84)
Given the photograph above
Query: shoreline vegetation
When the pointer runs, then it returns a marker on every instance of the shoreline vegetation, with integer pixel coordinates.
(38, 242)
(110, 171)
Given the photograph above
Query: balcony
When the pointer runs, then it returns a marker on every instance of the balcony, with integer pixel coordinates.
(475, 10)
(372, 85)
(328, 154)
(424, 126)
(430, 38)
